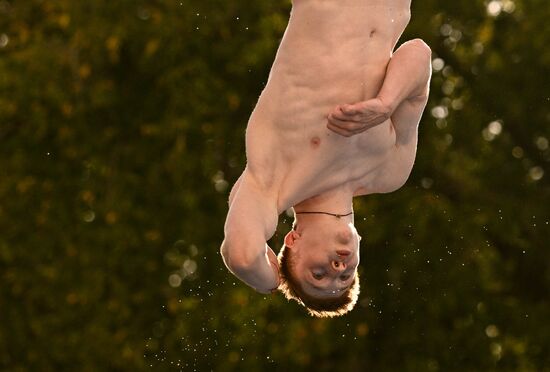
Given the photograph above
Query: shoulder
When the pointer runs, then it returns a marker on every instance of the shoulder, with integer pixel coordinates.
(254, 185)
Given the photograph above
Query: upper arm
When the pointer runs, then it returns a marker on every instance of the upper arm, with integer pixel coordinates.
(234, 189)
(251, 211)
(405, 120)
(393, 173)
(251, 221)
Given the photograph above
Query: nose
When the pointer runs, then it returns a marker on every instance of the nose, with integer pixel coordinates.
(338, 266)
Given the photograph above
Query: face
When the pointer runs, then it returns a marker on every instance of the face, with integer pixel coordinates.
(325, 256)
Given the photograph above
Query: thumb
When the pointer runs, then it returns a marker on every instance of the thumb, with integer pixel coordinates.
(349, 109)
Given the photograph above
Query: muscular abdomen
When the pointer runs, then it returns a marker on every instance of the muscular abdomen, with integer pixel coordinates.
(333, 52)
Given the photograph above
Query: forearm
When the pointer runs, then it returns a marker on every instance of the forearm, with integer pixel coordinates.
(407, 81)
(407, 75)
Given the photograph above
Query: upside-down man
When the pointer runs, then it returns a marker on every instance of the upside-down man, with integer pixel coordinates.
(337, 119)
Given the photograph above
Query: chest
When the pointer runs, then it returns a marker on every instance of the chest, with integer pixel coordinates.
(306, 163)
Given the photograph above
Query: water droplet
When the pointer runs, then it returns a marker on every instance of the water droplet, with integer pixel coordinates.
(189, 266)
(542, 143)
(517, 152)
(440, 112)
(536, 173)
(89, 216)
(494, 8)
(174, 280)
(438, 64)
(4, 40)
(492, 331)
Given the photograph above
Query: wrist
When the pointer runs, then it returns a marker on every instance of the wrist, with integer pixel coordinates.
(388, 104)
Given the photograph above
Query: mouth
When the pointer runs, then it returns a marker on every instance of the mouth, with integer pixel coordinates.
(342, 253)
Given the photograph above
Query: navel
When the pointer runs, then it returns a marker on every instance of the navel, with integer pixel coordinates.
(315, 142)
(372, 32)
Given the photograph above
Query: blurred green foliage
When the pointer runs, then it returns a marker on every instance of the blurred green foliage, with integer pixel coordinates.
(122, 128)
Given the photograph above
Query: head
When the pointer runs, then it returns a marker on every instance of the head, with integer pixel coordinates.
(319, 265)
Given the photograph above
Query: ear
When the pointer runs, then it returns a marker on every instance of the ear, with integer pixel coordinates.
(291, 238)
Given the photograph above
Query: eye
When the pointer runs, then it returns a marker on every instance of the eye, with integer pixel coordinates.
(344, 277)
(318, 275)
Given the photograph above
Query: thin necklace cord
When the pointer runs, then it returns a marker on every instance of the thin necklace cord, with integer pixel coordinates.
(330, 214)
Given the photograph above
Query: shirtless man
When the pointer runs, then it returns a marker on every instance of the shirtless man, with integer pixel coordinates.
(338, 118)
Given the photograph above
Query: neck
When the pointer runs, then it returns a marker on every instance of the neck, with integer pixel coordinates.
(335, 202)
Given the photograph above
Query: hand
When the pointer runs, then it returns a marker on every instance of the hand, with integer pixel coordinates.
(349, 120)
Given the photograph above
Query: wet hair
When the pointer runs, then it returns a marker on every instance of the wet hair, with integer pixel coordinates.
(318, 307)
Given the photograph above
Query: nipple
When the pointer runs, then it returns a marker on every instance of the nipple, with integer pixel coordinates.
(315, 142)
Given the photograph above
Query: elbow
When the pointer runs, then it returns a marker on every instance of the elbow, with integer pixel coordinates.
(235, 257)
(420, 53)
(421, 47)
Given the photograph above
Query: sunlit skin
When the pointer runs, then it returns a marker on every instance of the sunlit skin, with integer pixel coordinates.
(338, 118)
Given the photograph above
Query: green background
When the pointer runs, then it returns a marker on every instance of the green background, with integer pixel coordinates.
(122, 129)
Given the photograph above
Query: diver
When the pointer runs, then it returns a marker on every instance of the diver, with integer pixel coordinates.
(337, 119)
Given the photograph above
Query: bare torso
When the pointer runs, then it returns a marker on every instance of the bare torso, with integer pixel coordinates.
(333, 52)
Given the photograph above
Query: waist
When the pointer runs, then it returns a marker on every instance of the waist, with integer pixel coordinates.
(339, 24)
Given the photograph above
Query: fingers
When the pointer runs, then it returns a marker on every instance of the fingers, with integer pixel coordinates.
(354, 125)
(339, 131)
(348, 120)
(365, 112)
(346, 112)
(345, 117)
(350, 109)
(344, 129)
(357, 117)
(344, 133)
(346, 124)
